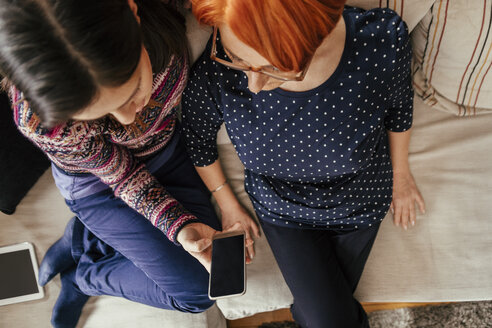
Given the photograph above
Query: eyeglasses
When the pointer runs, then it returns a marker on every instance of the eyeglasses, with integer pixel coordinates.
(241, 65)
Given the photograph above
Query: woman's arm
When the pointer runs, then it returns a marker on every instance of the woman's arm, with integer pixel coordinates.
(398, 122)
(231, 210)
(215, 180)
(202, 118)
(405, 191)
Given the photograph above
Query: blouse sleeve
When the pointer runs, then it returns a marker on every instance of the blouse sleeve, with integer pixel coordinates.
(80, 146)
(399, 118)
(202, 116)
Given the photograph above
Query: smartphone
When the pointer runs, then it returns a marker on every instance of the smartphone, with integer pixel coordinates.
(228, 270)
(19, 274)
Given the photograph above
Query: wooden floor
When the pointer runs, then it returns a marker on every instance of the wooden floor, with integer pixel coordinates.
(284, 314)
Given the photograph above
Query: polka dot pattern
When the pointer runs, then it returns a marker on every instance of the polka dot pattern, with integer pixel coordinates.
(318, 158)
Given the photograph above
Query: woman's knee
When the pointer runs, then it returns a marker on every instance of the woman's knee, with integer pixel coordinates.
(196, 304)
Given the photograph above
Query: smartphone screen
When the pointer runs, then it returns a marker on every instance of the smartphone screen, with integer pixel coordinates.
(227, 274)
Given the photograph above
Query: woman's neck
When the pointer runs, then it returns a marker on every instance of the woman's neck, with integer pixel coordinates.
(325, 60)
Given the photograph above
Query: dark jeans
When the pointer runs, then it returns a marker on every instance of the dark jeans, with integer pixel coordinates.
(120, 253)
(322, 269)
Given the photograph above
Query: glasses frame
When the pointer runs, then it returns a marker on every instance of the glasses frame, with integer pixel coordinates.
(213, 55)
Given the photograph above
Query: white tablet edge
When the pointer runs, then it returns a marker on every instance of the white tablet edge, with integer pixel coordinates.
(30, 297)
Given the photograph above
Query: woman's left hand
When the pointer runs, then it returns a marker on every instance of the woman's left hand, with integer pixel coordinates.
(405, 195)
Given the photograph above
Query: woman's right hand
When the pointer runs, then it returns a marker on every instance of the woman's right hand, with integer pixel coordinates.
(237, 218)
(196, 239)
(234, 216)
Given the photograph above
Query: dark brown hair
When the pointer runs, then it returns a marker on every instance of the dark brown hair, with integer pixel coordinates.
(59, 53)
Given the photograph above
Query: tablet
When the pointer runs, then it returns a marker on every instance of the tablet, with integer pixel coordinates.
(19, 274)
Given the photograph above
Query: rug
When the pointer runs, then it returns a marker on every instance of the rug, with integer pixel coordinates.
(455, 315)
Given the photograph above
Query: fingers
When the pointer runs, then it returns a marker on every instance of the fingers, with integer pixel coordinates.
(250, 249)
(397, 215)
(403, 209)
(396, 220)
(413, 216)
(404, 217)
(255, 229)
(420, 203)
(250, 228)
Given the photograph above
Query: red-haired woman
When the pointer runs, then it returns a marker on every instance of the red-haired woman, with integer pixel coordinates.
(317, 100)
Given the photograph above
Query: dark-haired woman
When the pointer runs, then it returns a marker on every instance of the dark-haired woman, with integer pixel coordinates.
(95, 84)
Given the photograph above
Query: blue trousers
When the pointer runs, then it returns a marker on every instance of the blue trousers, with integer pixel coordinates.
(322, 269)
(120, 253)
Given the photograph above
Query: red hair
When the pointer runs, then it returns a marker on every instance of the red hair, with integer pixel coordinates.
(285, 32)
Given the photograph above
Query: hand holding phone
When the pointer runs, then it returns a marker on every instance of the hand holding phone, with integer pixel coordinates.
(240, 219)
(228, 269)
(196, 239)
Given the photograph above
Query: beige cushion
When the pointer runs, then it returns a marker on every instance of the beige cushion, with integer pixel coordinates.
(447, 256)
(452, 46)
(117, 312)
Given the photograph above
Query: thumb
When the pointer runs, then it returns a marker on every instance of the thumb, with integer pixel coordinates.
(197, 245)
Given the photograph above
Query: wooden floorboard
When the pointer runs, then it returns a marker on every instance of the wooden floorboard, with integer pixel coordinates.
(284, 314)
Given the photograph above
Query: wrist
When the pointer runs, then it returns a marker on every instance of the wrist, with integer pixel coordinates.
(230, 206)
(401, 171)
(174, 231)
(226, 200)
(401, 167)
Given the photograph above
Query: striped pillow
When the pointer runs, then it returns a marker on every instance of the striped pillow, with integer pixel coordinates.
(453, 55)
(410, 11)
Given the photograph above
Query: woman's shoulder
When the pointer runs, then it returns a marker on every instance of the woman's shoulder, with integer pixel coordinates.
(376, 21)
(23, 115)
(379, 29)
(370, 15)
(169, 83)
(30, 124)
(205, 71)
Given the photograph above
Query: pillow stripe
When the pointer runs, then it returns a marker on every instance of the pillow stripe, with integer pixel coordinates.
(462, 104)
(476, 98)
(400, 12)
(473, 53)
(440, 39)
(476, 78)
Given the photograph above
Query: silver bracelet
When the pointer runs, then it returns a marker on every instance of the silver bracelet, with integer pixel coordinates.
(219, 187)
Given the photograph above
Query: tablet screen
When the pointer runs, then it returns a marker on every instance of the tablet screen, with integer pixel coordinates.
(17, 277)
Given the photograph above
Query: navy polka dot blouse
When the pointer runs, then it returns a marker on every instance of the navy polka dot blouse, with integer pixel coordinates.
(319, 158)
